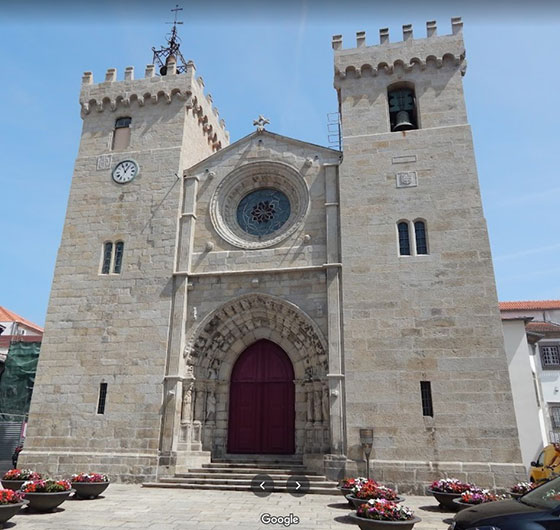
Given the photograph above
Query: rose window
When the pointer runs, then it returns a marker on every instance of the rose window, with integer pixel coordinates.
(263, 211)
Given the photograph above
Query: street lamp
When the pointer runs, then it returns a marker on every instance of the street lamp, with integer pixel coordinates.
(366, 439)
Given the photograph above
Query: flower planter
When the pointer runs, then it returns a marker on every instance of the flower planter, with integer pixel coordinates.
(516, 495)
(89, 490)
(345, 491)
(45, 502)
(376, 524)
(356, 501)
(12, 484)
(465, 505)
(7, 511)
(446, 499)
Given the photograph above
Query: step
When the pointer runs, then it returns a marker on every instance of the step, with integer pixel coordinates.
(253, 465)
(234, 487)
(240, 480)
(258, 458)
(249, 471)
(203, 473)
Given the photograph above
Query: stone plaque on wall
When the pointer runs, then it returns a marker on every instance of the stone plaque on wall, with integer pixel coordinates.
(104, 162)
(407, 179)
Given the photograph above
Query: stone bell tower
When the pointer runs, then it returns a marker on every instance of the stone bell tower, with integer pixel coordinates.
(98, 393)
(424, 355)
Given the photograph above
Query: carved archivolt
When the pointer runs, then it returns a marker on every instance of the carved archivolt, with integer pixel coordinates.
(226, 332)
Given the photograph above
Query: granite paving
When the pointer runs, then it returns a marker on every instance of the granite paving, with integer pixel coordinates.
(131, 506)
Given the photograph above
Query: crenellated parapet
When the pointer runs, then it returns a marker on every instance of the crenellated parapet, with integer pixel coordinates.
(410, 53)
(112, 94)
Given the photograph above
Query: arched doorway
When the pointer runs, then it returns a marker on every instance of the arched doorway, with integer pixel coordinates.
(262, 401)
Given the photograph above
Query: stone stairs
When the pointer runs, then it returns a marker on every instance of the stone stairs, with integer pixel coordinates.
(235, 473)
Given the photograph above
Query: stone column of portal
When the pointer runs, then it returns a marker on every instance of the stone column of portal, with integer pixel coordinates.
(173, 380)
(335, 461)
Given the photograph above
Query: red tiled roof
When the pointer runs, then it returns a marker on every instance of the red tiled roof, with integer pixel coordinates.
(9, 316)
(6, 340)
(529, 305)
(542, 327)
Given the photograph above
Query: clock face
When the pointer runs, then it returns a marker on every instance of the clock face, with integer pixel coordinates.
(125, 171)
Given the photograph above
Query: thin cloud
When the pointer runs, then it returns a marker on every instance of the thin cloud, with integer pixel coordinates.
(528, 252)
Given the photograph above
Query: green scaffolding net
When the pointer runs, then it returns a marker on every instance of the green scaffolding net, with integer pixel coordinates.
(17, 379)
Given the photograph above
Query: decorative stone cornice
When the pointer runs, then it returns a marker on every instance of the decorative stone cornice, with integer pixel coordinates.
(111, 95)
(388, 58)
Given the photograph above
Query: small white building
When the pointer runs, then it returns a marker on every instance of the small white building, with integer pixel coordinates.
(532, 342)
(15, 327)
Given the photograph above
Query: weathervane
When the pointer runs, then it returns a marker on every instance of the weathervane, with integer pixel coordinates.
(171, 52)
(260, 123)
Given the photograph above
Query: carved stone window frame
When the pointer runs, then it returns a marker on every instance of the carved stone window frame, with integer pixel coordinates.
(246, 179)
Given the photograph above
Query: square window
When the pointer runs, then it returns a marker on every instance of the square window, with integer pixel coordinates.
(550, 356)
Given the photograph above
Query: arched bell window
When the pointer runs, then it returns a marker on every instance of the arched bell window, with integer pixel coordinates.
(402, 107)
(121, 134)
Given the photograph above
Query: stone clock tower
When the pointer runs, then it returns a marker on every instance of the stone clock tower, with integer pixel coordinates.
(111, 302)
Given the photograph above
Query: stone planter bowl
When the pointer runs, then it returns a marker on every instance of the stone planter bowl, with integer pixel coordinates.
(446, 499)
(374, 524)
(344, 491)
(356, 502)
(7, 511)
(465, 505)
(89, 490)
(45, 502)
(516, 495)
(12, 484)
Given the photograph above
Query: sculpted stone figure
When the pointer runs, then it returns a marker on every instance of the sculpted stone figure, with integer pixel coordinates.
(211, 407)
(309, 395)
(199, 405)
(317, 401)
(325, 404)
(186, 411)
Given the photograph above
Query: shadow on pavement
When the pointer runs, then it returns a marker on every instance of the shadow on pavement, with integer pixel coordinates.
(344, 520)
(340, 505)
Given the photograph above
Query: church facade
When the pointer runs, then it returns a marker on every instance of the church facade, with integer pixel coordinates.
(272, 296)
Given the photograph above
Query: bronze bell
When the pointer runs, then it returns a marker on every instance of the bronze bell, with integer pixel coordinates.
(163, 69)
(402, 122)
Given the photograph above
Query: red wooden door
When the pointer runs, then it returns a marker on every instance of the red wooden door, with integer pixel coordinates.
(262, 401)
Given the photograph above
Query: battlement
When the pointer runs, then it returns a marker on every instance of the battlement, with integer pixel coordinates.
(407, 54)
(111, 94)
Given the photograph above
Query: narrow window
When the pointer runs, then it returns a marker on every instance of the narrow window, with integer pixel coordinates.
(404, 239)
(402, 108)
(426, 393)
(102, 398)
(420, 235)
(119, 247)
(121, 134)
(107, 254)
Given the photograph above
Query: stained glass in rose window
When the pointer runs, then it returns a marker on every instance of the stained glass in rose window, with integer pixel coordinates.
(263, 211)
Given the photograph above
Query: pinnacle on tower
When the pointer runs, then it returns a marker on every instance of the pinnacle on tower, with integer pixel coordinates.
(170, 53)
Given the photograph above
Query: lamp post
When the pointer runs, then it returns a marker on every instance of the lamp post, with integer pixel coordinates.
(366, 439)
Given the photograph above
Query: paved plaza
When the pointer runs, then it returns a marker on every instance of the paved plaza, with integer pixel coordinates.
(131, 506)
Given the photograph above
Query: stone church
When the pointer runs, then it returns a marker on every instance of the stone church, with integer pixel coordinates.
(271, 296)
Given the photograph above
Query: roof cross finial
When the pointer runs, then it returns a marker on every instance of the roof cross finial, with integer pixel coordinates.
(260, 123)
